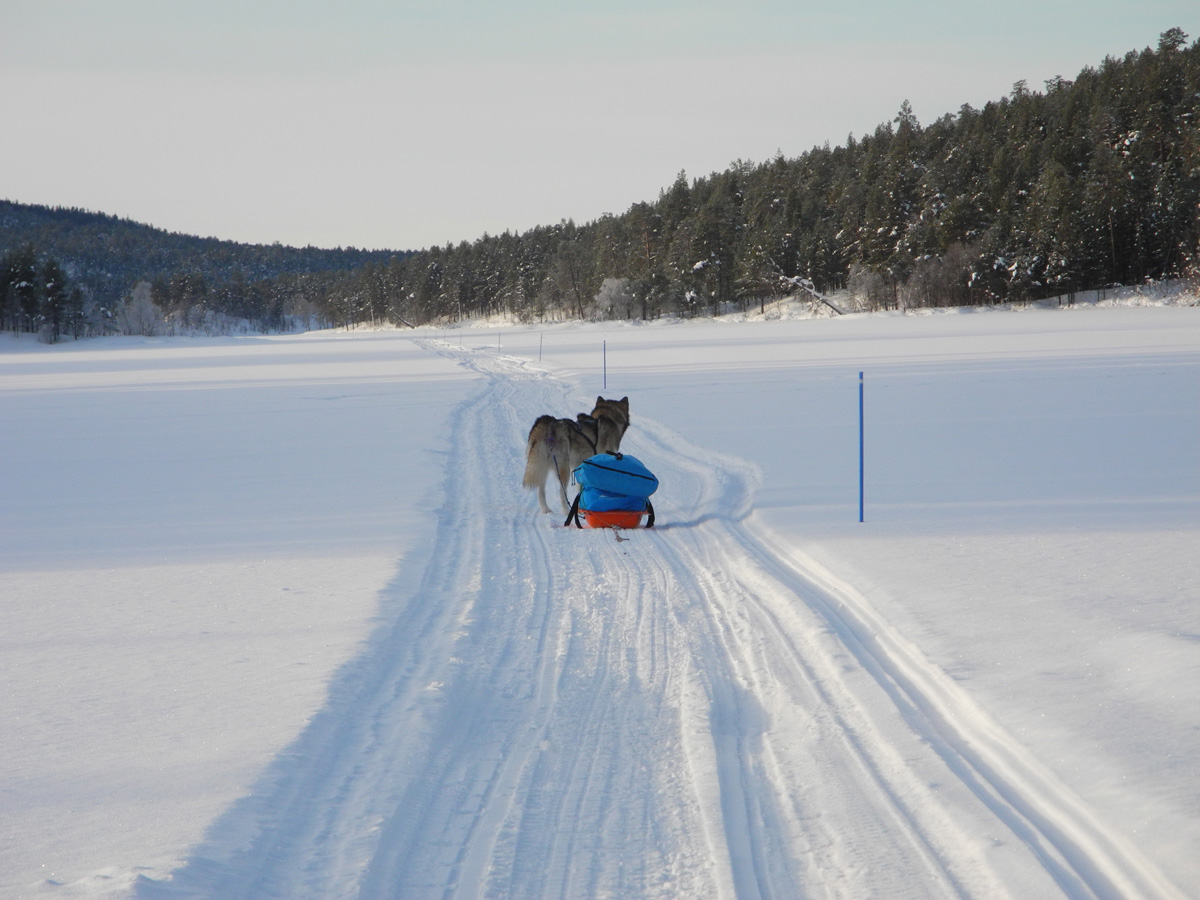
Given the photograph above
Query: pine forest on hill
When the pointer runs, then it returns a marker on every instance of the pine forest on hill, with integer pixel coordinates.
(1082, 184)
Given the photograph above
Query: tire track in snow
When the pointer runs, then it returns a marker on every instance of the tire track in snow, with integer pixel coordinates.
(776, 846)
(694, 712)
(1083, 855)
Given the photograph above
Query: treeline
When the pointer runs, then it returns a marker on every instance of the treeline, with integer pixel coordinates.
(195, 282)
(1082, 184)
(1086, 183)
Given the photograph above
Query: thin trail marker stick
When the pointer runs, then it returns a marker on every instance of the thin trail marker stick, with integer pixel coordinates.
(861, 444)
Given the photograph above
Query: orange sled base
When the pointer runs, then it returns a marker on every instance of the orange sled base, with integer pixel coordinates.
(617, 518)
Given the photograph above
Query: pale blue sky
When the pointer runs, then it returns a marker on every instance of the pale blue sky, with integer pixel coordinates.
(406, 124)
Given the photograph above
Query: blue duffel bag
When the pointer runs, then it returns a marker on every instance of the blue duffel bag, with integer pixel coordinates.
(615, 491)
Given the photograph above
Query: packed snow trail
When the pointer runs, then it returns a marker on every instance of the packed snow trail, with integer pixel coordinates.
(694, 712)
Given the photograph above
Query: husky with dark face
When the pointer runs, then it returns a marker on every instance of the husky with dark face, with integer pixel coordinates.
(560, 445)
(612, 421)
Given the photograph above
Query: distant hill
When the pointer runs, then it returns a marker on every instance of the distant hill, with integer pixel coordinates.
(1089, 183)
(110, 255)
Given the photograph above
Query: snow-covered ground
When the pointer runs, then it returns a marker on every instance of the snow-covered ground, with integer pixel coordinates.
(278, 621)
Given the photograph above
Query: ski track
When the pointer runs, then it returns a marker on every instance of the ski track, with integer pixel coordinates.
(698, 711)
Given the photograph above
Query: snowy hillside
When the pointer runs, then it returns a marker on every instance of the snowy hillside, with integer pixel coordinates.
(279, 621)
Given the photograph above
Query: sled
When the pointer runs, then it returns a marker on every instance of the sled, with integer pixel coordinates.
(614, 492)
(616, 518)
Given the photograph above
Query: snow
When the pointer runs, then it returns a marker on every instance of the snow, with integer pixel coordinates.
(278, 620)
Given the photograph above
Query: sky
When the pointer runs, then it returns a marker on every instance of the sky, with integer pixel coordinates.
(410, 124)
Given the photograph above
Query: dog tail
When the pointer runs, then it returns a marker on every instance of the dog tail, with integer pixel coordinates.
(536, 456)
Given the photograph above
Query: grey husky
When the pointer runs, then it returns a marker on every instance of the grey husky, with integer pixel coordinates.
(612, 421)
(559, 445)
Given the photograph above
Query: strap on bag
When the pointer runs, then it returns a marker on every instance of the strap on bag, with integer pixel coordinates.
(574, 513)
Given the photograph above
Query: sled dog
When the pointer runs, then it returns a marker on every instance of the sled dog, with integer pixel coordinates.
(557, 445)
(612, 420)
(560, 445)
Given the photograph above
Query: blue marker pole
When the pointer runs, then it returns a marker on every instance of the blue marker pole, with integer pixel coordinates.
(860, 447)
(604, 356)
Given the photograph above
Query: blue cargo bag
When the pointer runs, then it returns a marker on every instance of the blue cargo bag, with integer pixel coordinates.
(615, 490)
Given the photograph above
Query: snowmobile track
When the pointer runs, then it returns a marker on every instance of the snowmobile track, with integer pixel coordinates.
(698, 711)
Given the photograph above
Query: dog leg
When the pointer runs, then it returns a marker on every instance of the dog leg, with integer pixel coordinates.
(564, 473)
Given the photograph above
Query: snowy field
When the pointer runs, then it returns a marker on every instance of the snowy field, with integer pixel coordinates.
(277, 620)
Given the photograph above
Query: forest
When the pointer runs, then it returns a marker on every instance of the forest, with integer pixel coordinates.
(1081, 184)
